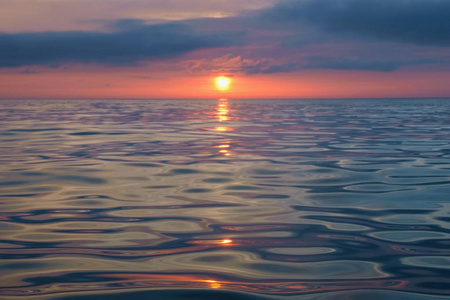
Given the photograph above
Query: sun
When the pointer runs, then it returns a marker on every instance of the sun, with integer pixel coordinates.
(223, 83)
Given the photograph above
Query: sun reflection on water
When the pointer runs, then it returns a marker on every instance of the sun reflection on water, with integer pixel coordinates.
(222, 114)
(214, 284)
(221, 128)
(224, 149)
(223, 110)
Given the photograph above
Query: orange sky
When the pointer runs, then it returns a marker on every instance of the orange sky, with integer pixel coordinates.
(318, 84)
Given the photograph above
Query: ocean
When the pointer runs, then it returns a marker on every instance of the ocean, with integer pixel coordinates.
(225, 199)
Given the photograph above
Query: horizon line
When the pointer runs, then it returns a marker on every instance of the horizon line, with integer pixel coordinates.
(225, 98)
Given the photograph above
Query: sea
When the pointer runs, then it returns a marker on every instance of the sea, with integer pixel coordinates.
(225, 199)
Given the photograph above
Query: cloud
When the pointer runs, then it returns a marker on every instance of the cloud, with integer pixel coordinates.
(423, 22)
(131, 42)
(269, 68)
(226, 64)
(229, 64)
(333, 63)
(366, 65)
(65, 15)
(293, 35)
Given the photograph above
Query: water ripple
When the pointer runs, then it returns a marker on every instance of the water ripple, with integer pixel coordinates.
(226, 199)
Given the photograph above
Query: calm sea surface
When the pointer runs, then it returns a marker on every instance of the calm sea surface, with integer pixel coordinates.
(225, 199)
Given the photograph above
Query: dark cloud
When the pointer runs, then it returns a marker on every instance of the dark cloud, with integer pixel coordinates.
(366, 65)
(129, 43)
(424, 22)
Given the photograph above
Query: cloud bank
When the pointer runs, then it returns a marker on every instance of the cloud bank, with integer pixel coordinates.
(131, 42)
(424, 22)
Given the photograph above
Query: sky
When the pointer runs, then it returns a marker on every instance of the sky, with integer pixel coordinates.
(158, 49)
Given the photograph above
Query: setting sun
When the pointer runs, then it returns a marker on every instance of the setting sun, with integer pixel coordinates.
(223, 83)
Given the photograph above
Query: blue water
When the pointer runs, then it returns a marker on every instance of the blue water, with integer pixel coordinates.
(225, 199)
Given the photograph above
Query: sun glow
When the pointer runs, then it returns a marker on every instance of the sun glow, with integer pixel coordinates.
(223, 83)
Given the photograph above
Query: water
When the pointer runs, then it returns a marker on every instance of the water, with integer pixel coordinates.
(225, 199)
